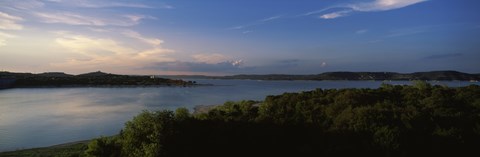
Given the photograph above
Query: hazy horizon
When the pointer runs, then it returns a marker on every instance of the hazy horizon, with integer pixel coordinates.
(239, 37)
(220, 75)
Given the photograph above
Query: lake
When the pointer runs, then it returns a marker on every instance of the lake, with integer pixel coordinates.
(39, 117)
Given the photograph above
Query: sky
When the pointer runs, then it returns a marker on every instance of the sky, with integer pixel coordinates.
(220, 37)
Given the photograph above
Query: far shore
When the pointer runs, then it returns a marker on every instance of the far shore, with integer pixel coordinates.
(109, 86)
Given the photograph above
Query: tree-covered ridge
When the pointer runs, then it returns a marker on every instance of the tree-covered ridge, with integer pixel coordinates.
(418, 120)
(13, 80)
(432, 75)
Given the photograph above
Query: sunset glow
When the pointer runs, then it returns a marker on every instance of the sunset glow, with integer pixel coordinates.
(238, 37)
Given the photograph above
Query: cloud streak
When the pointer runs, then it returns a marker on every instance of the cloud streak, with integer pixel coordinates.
(4, 37)
(95, 4)
(136, 35)
(28, 4)
(414, 30)
(213, 58)
(90, 53)
(335, 15)
(362, 31)
(371, 6)
(45, 11)
(383, 5)
(10, 22)
(256, 23)
(78, 19)
(271, 18)
(105, 4)
(443, 56)
(199, 67)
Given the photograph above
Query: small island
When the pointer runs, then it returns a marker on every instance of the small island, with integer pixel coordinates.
(93, 79)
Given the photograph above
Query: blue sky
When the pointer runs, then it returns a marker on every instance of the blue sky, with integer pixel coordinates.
(218, 37)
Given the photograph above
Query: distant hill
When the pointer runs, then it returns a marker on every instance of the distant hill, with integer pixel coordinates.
(95, 74)
(60, 79)
(55, 74)
(432, 75)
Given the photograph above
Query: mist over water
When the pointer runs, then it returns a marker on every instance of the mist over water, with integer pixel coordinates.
(38, 117)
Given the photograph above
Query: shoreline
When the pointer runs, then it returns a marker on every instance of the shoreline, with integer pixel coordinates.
(107, 86)
(62, 145)
(199, 109)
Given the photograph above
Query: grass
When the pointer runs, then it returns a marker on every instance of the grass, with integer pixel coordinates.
(65, 150)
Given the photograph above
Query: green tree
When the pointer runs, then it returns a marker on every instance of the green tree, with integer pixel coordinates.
(182, 114)
(146, 133)
(387, 138)
(103, 147)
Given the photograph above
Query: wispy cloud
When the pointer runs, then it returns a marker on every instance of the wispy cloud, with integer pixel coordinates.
(222, 67)
(136, 18)
(362, 31)
(246, 32)
(256, 23)
(406, 32)
(383, 5)
(335, 14)
(28, 4)
(105, 4)
(46, 11)
(371, 6)
(10, 22)
(412, 31)
(93, 3)
(70, 18)
(89, 46)
(271, 18)
(212, 58)
(100, 30)
(4, 37)
(136, 35)
(92, 52)
(443, 56)
(316, 11)
(78, 19)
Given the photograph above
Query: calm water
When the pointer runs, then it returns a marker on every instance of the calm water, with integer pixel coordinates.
(38, 117)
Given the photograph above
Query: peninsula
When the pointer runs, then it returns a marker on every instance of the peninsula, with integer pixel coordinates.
(60, 79)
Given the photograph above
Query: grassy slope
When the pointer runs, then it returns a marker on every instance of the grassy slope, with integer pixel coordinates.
(66, 150)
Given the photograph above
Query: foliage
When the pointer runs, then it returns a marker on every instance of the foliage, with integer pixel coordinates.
(182, 114)
(418, 120)
(146, 134)
(104, 146)
(90, 79)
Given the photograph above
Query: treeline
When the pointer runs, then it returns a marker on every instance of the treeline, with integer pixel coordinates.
(432, 75)
(12, 80)
(418, 120)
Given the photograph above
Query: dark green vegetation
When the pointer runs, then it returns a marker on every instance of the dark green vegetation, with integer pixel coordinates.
(418, 120)
(70, 150)
(433, 75)
(13, 80)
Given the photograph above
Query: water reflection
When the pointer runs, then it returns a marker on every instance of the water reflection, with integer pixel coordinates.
(40, 117)
(48, 116)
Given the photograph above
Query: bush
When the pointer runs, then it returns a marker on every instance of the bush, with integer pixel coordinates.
(419, 120)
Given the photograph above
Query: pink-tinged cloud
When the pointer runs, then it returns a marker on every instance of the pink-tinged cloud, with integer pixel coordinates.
(372, 6)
